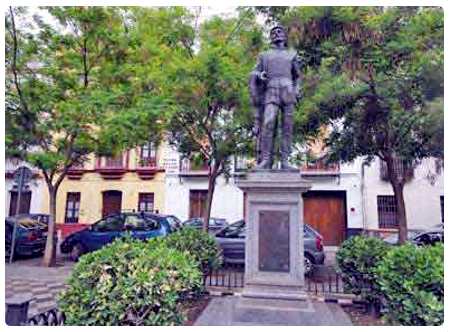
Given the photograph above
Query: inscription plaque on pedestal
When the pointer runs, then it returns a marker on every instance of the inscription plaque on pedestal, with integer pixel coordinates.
(274, 241)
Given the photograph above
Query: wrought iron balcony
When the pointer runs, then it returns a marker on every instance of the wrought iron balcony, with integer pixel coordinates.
(191, 169)
(320, 168)
(112, 168)
(147, 168)
(401, 169)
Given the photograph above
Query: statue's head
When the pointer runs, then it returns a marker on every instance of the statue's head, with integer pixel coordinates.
(278, 34)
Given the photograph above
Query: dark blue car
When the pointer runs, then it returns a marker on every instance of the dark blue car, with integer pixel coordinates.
(30, 237)
(139, 225)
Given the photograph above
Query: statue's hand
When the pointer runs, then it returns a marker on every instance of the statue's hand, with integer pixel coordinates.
(299, 95)
(263, 76)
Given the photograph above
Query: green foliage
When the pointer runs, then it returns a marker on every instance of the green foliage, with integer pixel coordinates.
(357, 259)
(129, 282)
(411, 282)
(212, 117)
(197, 243)
(372, 76)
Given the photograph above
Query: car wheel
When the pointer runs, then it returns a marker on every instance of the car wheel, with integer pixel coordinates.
(308, 265)
(76, 252)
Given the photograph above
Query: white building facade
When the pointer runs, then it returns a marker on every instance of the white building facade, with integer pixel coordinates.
(33, 195)
(186, 189)
(344, 199)
(423, 194)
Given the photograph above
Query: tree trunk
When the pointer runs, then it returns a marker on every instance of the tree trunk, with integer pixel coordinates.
(401, 212)
(50, 246)
(398, 181)
(211, 187)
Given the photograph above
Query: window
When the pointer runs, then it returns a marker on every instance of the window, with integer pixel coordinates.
(401, 168)
(139, 223)
(387, 212)
(147, 155)
(109, 224)
(442, 209)
(25, 200)
(72, 208)
(146, 202)
(148, 151)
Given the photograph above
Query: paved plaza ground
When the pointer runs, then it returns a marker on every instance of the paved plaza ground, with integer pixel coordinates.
(42, 284)
(27, 277)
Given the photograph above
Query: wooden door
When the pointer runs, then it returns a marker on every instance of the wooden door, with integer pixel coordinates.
(112, 202)
(25, 200)
(197, 203)
(325, 212)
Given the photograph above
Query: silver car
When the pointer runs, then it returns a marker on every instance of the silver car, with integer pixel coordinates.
(232, 242)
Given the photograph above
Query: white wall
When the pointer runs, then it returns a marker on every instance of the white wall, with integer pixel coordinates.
(37, 188)
(422, 197)
(228, 200)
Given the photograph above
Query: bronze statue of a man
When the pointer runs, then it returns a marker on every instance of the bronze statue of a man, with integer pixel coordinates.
(274, 88)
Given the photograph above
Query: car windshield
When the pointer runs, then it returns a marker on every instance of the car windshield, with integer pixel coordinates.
(234, 230)
(393, 238)
(110, 223)
(173, 221)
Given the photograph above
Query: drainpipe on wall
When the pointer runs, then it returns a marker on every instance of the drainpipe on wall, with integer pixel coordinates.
(363, 195)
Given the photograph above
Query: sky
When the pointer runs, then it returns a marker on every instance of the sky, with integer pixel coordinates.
(205, 12)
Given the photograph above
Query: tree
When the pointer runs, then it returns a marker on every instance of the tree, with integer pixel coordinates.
(58, 111)
(212, 120)
(375, 79)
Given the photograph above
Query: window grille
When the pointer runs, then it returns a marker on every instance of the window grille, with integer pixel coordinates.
(387, 212)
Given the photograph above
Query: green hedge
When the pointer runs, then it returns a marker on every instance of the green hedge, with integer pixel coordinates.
(411, 282)
(129, 282)
(202, 247)
(356, 260)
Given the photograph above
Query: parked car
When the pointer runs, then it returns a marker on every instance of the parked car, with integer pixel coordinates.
(139, 225)
(232, 242)
(420, 237)
(215, 224)
(30, 237)
(174, 222)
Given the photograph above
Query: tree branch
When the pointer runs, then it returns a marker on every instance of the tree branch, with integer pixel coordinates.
(14, 62)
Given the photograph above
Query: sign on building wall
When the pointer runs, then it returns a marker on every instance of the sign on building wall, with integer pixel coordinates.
(170, 161)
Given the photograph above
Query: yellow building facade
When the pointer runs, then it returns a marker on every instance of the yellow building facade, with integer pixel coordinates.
(133, 181)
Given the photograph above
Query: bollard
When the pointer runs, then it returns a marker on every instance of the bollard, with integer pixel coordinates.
(17, 310)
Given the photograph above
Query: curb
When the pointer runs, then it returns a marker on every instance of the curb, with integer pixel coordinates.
(345, 300)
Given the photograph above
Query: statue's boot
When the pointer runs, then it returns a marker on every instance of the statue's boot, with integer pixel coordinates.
(285, 165)
(267, 136)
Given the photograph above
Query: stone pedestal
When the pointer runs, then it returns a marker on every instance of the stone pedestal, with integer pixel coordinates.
(274, 262)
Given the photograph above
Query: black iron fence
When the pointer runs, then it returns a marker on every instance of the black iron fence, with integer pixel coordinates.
(232, 278)
(52, 317)
(17, 313)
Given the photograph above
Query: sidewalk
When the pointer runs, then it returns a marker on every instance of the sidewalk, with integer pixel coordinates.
(43, 284)
(223, 311)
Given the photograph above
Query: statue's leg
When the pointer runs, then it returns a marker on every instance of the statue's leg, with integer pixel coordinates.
(270, 114)
(287, 122)
(274, 135)
(260, 110)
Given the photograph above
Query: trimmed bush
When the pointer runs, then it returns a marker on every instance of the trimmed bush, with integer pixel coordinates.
(202, 247)
(357, 258)
(129, 282)
(411, 282)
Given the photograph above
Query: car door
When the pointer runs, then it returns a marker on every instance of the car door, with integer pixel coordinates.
(232, 243)
(103, 232)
